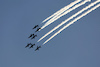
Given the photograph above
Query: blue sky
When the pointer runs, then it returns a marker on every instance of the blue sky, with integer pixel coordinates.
(76, 46)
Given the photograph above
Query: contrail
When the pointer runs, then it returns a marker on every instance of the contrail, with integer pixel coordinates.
(72, 22)
(76, 6)
(62, 10)
(87, 7)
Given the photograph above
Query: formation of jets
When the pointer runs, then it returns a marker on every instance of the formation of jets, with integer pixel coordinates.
(31, 45)
(32, 36)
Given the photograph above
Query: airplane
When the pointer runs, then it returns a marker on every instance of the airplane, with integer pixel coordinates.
(31, 35)
(35, 26)
(37, 48)
(38, 29)
(28, 45)
(32, 46)
(34, 36)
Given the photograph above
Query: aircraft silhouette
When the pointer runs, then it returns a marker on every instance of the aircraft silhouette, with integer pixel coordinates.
(38, 29)
(31, 35)
(34, 36)
(32, 46)
(28, 45)
(37, 48)
(35, 26)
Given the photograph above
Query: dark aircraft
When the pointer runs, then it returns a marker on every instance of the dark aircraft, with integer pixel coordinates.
(35, 26)
(32, 46)
(31, 35)
(37, 48)
(34, 36)
(38, 29)
(28, 45)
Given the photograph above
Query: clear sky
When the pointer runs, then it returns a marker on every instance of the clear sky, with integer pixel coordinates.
(76, 46)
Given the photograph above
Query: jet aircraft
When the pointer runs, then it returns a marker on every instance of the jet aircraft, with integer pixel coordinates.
(38, 29)
(32, 45)
(37, 48)
(35, 26)
(30, 36)
(34, 36)
(28, 45)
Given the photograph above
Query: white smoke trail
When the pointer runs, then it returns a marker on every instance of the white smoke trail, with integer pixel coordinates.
(87, 7)
(76, 6)
(72, 22)
(62, 10)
